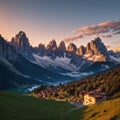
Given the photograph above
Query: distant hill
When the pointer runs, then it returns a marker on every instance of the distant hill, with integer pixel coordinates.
(20, 107)
(108, 81)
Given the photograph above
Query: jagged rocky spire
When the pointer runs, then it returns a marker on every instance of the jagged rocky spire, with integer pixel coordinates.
(21, 42)
(7, 51)
(72, 47)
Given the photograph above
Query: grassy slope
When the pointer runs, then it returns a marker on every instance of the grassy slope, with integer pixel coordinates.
(17, 107)
(108, 110)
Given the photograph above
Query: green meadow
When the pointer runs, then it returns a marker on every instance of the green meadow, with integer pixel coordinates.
(21, 107)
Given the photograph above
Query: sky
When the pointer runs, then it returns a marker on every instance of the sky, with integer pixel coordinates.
(44, 20)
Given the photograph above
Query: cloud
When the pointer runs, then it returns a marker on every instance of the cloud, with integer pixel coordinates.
(109, 27)
(106, 36)
(118, 32)
(68, 39)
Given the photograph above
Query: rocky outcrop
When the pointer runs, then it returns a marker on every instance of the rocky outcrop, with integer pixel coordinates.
(51, 49)
(41, 49)
(62, 46)
(98, 47)
(81, 50)
(96, 50)
(21, 43)
(7, 51)
(72, 48)
(115, 50)
(61, 49)
(72, 59)
(52, 46)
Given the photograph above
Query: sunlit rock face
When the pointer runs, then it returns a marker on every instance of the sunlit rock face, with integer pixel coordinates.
(81, 50)
(52, 46)
(115, 50)
(96, 50)
(72, 48)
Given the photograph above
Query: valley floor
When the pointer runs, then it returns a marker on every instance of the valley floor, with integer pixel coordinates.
(22, 107)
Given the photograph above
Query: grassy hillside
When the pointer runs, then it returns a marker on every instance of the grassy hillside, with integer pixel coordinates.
(19, 107)
(108, 110)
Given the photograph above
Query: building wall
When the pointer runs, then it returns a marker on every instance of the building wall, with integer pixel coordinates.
(89, 100)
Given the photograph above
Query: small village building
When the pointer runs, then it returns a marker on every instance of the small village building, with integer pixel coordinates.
(94, 96)
(88, 100)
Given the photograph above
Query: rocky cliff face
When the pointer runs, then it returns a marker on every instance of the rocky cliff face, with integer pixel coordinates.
(21, 43)
(62, 46)
(72, 48)
(81, 50)
(51, 49)
(7, 51)
(61, 49)
(96, 50)
(41, 49)
(98, 47)
(52, 46)
(53, 58)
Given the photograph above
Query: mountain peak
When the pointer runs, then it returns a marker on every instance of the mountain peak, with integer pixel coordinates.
(1, 38)
(62, 46)
(7, 51)
(21, 42)
(97, 49)
(81, 50)
(72, 47)
(98, 39)
(21, 36)
(52, 45)
(0, 35)
(41, 45)
(22, 33)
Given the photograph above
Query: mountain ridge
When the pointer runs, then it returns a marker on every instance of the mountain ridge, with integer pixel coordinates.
(95, 47)
(69, 63)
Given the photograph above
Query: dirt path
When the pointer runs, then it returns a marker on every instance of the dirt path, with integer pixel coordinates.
(75, 108)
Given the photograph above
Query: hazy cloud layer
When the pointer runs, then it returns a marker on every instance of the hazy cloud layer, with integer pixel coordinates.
(109, 27)
(72, 38)
(118, 32)
(106, 36)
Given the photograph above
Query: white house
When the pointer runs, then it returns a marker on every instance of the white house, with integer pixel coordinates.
(88, 100)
